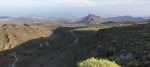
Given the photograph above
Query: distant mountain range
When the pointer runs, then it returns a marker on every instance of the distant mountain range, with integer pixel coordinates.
(148, 20)
(91, 19)
(6, 17)
(36, 19)
(125, 18)
(146, 17)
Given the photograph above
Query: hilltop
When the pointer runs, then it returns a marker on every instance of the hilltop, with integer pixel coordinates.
(91, 19)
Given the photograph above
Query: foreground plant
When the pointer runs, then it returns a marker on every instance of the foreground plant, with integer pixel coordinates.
(94, 62)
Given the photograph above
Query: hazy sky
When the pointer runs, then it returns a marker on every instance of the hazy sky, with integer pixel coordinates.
(74, 7)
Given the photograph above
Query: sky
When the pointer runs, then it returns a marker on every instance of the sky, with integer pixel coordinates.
(75, 7)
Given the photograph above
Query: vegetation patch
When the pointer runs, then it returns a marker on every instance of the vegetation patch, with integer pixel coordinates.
(129, 42)
(94, 62)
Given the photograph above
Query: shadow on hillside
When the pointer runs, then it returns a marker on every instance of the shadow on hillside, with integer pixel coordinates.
(31, 46)
(89, 45)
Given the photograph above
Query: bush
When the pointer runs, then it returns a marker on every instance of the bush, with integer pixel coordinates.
(94, 62)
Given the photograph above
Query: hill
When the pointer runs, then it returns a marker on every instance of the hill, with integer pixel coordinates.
(13, 35)
(129, 45)
(91, 19)
(126, 44)
(125, 18)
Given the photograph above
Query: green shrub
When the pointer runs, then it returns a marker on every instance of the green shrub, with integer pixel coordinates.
(94, 62)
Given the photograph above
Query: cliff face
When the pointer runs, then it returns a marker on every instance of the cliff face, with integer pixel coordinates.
(92, 19)
(13, 35)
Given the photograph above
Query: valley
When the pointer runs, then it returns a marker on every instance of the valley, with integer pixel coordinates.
(64, 45)
(74, 33)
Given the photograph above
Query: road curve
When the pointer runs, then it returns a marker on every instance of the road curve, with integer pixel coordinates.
(75, 41)
(13, 65)
(76, 38)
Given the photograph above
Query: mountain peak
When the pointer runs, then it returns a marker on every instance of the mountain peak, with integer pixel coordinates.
(92, 19)
(92, 15)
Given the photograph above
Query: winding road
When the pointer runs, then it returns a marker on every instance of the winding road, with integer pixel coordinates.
(40, 63)
(13, 65)
(76, 40)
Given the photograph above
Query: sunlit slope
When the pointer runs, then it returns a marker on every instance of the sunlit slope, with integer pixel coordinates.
(12, 35)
